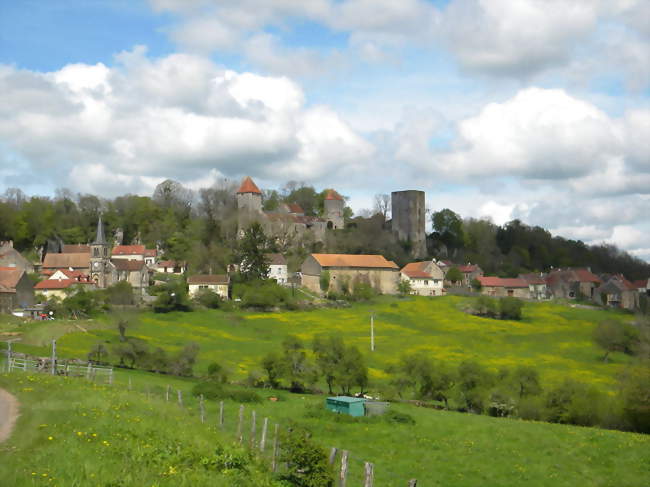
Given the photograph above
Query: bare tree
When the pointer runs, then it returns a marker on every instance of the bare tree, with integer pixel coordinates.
(382, 205)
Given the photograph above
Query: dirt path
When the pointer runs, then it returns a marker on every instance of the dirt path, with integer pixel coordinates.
(8, 414)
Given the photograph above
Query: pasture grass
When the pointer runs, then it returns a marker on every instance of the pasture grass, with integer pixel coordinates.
(554, 338)
(440, 449)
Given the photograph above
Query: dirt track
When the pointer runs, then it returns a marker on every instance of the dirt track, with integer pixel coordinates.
(8, 414)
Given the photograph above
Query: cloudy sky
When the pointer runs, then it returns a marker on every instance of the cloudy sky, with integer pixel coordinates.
(530, 109)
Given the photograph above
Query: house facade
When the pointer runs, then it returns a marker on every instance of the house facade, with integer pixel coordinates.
(10, 257)
(217, 283)
(536, 285)
(346, 271)
(278, 269)
(502, 287)
(617, 292)
(16, 289)
(469, 272)
(426, 278)
(572, 283)
(171, 267)
(61, 288)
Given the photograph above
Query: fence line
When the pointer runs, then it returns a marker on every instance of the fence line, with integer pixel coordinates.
(92, 372)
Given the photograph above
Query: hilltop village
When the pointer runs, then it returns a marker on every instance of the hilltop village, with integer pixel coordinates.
(105, 261)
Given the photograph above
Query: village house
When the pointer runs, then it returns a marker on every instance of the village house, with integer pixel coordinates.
(217, 283)
(502, 287)
(61, 287)
(278, 268)
(536, 285)
(16, 289)
(171, 267)
(150, 257)
(346, 271)
(572, 283)
(617, 292)
(642, 286)
(469, 272)
(10, 257)
(426, 278)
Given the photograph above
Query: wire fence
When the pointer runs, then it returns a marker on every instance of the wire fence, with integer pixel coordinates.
(261, 435)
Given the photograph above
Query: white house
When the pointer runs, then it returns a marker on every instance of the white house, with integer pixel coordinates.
(217, 283)
(278, 268)
(426, 278)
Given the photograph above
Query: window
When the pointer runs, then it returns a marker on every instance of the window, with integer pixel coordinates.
(426, 283)
(511, 292)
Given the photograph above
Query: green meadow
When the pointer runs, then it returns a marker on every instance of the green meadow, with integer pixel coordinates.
(75, 433)
(555, 338)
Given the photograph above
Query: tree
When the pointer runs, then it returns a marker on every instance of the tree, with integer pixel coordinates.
(324, 280)
(296, 367)
(613, 336)
(404, 287)
(306, 462)
(183, 363)
(526, 378)
(382, 205)
(329, 352)
(448, 228)
(96, 352)
(474, 380)
(252, 253)
(273, 366)
(172, 297)
(635, 391)
(208, 298)
(476, 285)
(120, 293)
(352, 371)
(454, 275)
(510, 308)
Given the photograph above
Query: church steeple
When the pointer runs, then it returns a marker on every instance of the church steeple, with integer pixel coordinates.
(99, 237)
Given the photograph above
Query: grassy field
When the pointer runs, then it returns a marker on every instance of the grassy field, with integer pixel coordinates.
(151, 442)
(554, 338)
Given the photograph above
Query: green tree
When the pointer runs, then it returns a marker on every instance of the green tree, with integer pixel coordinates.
(613, 336)
(306, 462)
(324, 281)
(273, 365)
(97, 352)
(448, 228)
(474, 381)
(476, 285)
(252, 253)
(404, 287)
(635, 392)
(352, 371)
(329, 352)
(454, 275)
(510, 308)
(526, 379)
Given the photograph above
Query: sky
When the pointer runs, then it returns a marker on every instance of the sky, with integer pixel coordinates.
(529, 109)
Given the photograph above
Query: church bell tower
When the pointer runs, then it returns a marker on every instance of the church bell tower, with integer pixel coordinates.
(99, 258)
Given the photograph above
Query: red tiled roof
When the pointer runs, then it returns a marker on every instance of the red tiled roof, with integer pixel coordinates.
(70, 274)
(348, 260)
(466, 269)
(209, 279)
(169, 263)
(60, 283)
(493, 281)
(640, 284)
(248, 186)
(276, 259)
(127, 264)
(333, 195)
(9, 277)
(625, 283)
(415, 270)
(295, 208)
(64, 261)
(532, 279)
(128, 250)
(150, 252)
(584, 275)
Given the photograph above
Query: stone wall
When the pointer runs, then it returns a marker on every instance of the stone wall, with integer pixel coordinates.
(409, 218)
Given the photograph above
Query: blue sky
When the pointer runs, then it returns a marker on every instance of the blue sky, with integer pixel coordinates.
(460, 98)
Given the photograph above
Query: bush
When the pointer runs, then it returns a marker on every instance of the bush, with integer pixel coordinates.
(244, 396)
(400, 418)
(172, 296)
(217, 373)
(363, 292)
(530, 408)
(510, 308)
(263, 294)
(208, 298)
(486, 306)
(120, 293)
(574, 403)
(216, 391)
(306, 462)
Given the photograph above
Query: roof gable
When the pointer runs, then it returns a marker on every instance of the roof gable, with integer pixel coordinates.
(350, 260)
(248, 186)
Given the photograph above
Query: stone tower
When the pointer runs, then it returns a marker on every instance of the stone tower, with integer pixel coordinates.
(408, 220)
(334, 205)
(99, 258)
(249, 204)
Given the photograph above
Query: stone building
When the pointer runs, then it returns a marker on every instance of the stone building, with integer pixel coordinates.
(278, 269)
(617, 292)
(10, 257)
(217, 283)
(408, 219)
(572, 283)
(16, 289)
(346, 271)
(502, 287)
(289, 221)
(426, 278)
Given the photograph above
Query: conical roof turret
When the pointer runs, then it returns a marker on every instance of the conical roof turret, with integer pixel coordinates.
(248, 186)
(100, 239)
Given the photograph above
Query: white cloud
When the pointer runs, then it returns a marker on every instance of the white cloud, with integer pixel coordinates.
(180, 116)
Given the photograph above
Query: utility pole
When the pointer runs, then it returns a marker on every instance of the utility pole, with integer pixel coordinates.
(372, 332)
(53, 366)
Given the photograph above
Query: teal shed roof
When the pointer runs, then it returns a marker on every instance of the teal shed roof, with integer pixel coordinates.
(347, 399)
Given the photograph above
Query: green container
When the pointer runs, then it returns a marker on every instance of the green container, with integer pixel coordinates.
(354, 406)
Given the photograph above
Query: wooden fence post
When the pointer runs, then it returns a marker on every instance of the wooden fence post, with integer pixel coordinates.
(332, 455)
(369, 474)
(110, 377)
(221, 414)
(180, 397)
(413, 483)
(88, 371)
(253, 425)
(167, 393)
(264, 428)
(344, 468)
(202, 408)
(240, 434)
(274, 462)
